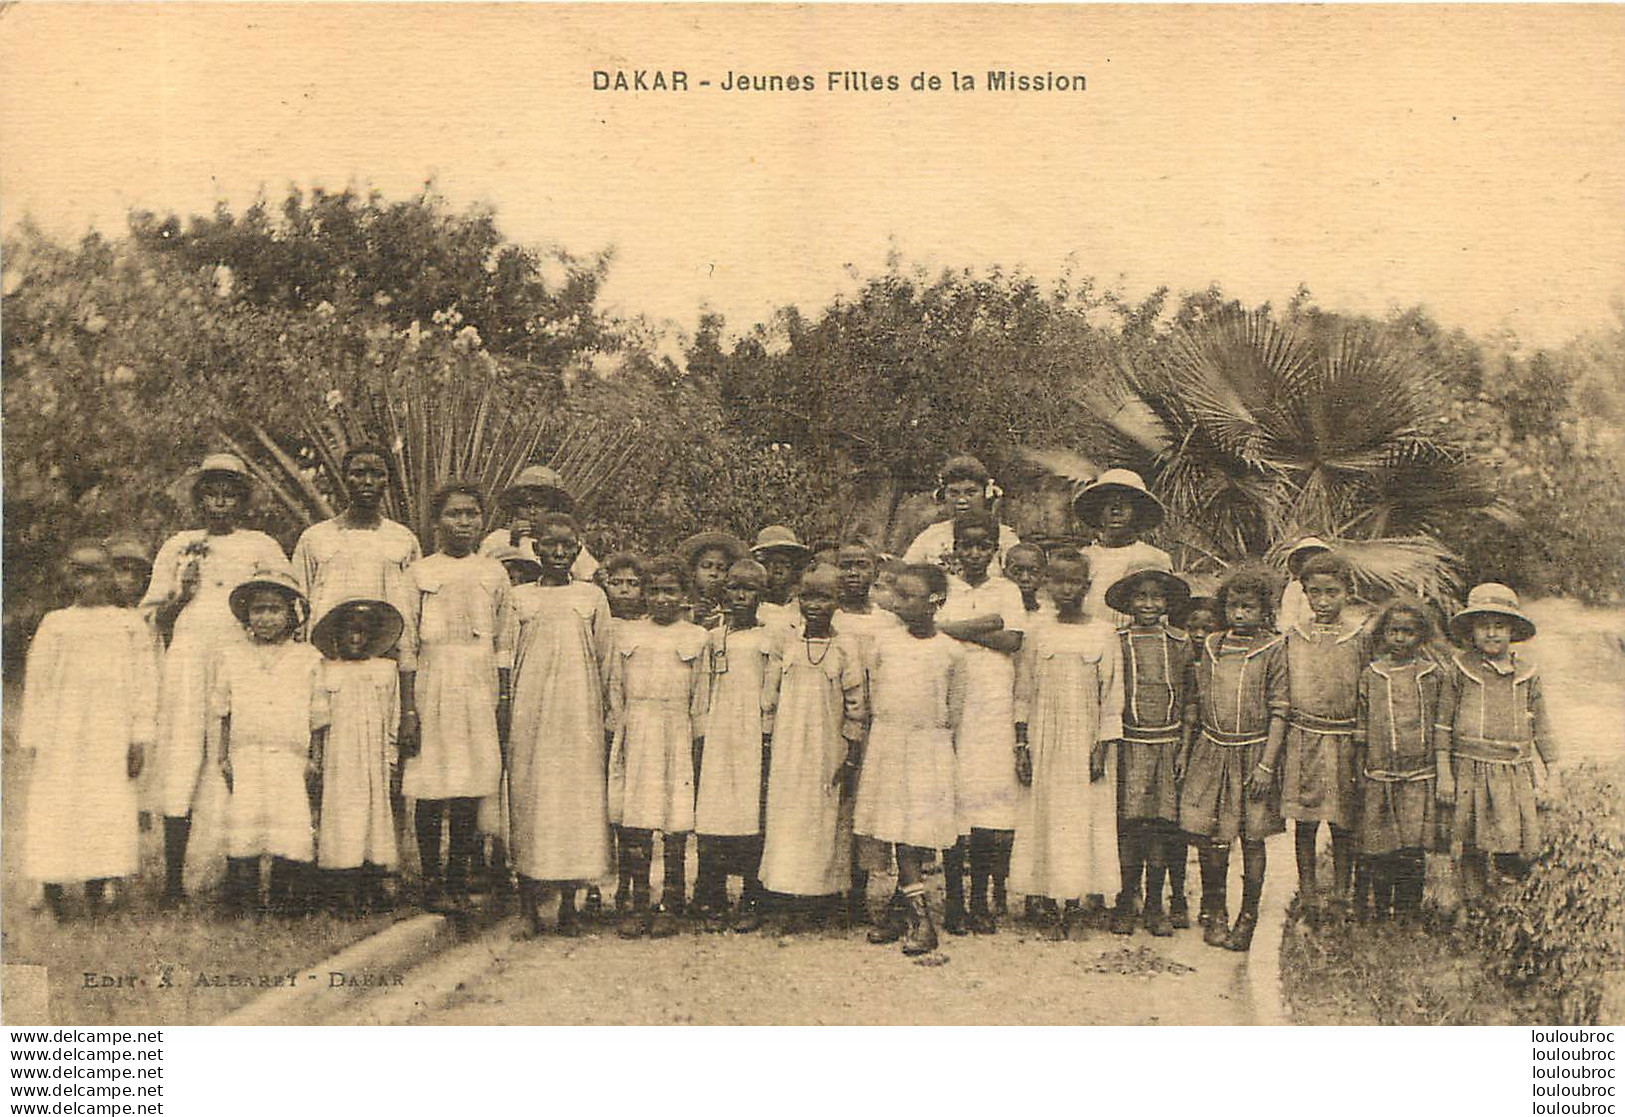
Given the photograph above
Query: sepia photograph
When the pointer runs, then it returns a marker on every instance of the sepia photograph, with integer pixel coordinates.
(731, 514)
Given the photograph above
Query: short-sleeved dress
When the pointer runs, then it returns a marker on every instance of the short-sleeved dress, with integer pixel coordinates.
(556, 784)
(1156, 674)
(185, 736)
(456, 639)
(657, 697)
(1240, 686)
(984, 746)
(1496, 719)
(275, 698)
(807, 850)
(906, 793)
(1107, 565)
(335, 562)
(1069, 694)
(742, 674)
(1320, 766)
(1394, 715)
(89, 694)
(936, 542)
(871, 856)
(357, 824)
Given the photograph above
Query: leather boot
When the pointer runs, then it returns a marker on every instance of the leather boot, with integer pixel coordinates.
(893, 924)
(922, 933)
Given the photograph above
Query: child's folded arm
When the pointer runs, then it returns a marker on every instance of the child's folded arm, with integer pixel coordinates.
(972, 627)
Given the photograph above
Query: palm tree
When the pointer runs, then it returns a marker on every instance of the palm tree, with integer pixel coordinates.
(1254, 435)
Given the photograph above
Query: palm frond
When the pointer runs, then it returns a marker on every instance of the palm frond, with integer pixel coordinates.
(1414, 564)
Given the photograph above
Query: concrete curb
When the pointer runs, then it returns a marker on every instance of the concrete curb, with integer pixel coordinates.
(1263, 963)
(394, 949)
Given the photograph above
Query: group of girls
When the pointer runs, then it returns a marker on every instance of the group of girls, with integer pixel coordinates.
(1063, 725)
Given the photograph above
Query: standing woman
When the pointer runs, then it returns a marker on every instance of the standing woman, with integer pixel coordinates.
(964, 485)
(192, 580)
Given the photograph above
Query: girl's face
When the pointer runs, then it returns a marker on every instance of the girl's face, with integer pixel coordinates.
(557, 548)
(1202, 623)
(1402, 635)
(270, 617)
(1492, 635)
(87, 582)
(665, 595)
(974, 551)
(220, 500)
(1147, 603)
(1068, 583)
(353, 640)
(965, 496)
(913, 601)
(1327, 595)
(1243, 613)
(1025, 570)
(365, 479)
(855, 567)
(624, 589)
(460, 521)
(781, 573)
(711, 572)
(1117, 515)
(743, 600)
(129, 582)
(817, 607)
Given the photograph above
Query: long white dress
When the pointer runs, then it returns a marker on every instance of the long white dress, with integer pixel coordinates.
(274, 696)
(90, 693)
(1069, 692)
(808, 846)
(357, 825)
(984, 746)
(917, 698)
(204, 628)
(742, 675)
(334, 563)
(1107, 565)
(559, 826)
(657, 699)
(456, 639)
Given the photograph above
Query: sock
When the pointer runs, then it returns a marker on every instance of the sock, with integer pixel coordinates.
(1155, 867)
(1175, 856)
(953, 876)
(671, 897)
(1304, 837)
(1342, 860)
(1131, 848)
(427, 826)
(1252, 876)
(176, 831)
(981, 868)
(464, 841)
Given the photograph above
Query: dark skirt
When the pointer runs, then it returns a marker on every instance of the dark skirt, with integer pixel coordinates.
(1495, 806)
(1320, 778)
(1213, 803)
(1396, 815)
(1145, 781)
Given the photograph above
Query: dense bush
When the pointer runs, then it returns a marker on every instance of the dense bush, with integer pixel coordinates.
(1562, 934)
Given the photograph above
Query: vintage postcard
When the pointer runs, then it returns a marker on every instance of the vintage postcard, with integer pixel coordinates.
(788, 514)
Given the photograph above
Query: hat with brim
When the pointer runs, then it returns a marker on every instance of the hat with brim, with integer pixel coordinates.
(1492, 599)
(1301, 551)
(267, 578)
(1087, 502)
(1173, 587)
(382, 620)
(539, 480)
(127, 548)
(779, 540)
(227, 466)
(510, 556)
(689, 549)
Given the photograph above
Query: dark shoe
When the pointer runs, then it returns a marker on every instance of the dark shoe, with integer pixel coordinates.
(568, 925)
(1075, 923)
(1241, 935)
(1123, 919)
(1309, 910)
(749, 919)
(953, 920)
(636, 923)
(664, 924)
(893, 926)
(593, 907)
(857, 909)
(1158, 924)
(434, 898)
(982, 922)
(1179, 914)
(922, 935)
(1217, 933)
(1001, 903)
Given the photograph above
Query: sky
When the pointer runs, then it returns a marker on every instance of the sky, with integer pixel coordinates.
(1471, 159)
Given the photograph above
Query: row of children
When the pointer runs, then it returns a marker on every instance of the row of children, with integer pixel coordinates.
(807, 743)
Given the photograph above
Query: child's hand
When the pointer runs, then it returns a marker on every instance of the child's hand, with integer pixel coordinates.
(133, 758)
(1259, 783)
(409, 739)
(1444, 790)
(1549, 787)
(1181, 758)
(1097, 760)
(225, 772)
(1024, 765)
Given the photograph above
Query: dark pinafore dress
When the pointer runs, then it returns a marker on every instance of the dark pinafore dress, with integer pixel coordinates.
(1394, 718)
(1241, 685)
(1156, 666)
(1497, 721)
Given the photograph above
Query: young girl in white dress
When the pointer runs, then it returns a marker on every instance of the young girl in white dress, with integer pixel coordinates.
(355, 838)
(454, 662)
(87, 719)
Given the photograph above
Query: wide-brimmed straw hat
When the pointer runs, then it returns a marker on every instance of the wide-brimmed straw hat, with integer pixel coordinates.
(1300, 552)
(689, 549)
(129, 548)
(213, 465)
(382, 620)
(276, 578)
(1086, 502)
(1492, 599)
(88, 552)
(1173, 587)
(537, 479)
(512, 556)
(781, 539)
